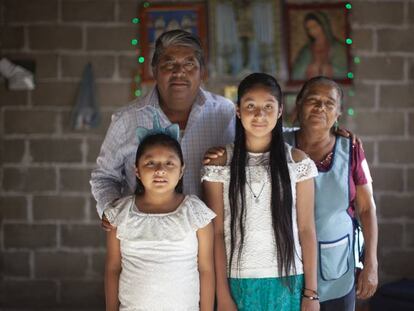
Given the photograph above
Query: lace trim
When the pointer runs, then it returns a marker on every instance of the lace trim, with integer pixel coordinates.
(305, 169)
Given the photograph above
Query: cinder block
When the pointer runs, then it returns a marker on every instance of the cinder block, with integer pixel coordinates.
(94, 147)
(379, 123)
(11, 150)
(29, 179)
(395, 40)
(58, 207)
(93, 212)
(29, 236)
(411, 70)
(55, 94)
(56, 150)
(93, 150)
(62, 265)
(75, 180)
(12, 37)
(58, 37)
(83, 294)
(117, 38)
(100, 129)
(398, 263)
(362, 39)
(29, 122)
(115, 94)
(410, 179)
(409, 234)
(390, 235)
(380, 68)
(128, 9)
(411, 13)
(15, 264)
(29, 293)
(103, 66)
(13, 207)
(31, 11)
(387, 179)
(83, 236)
(367, 13)
(396, 151)
(397, 206)
(88, 10)
(98, 264)
(12, 98)
(397, 95)
(363, 96)
(368, 147)
(46, 64)
(128, 66)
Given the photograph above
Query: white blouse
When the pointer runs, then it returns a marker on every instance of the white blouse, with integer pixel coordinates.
(259, 254)
(159, 255)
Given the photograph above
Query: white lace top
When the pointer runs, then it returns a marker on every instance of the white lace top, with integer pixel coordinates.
(259, 257)
(159, 255)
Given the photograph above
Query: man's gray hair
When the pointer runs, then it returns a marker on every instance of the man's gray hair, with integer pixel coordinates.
(177, 37)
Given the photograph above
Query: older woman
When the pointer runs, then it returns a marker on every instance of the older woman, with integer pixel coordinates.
(342, 188)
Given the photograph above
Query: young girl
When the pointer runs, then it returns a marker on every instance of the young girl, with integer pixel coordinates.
(160, 257)
(262, 192)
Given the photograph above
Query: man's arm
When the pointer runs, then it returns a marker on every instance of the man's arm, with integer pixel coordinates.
(107, 179)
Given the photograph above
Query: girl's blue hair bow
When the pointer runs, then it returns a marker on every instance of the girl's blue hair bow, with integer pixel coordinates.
(172, 130)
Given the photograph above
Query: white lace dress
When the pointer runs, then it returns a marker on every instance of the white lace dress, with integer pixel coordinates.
(159, 255)
(259, 256)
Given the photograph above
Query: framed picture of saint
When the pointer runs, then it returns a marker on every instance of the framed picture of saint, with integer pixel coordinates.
(158, 18)
(316, 41)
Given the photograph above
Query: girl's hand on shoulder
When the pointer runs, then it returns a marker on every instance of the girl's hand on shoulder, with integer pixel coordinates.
(215, 156)
(309, 305)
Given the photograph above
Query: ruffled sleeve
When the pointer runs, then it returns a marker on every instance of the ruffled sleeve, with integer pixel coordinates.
(198, 214)
(304, 169)
(215, 173)
(117, 212)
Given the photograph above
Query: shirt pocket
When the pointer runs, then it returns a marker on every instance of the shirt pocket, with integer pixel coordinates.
(333, 258)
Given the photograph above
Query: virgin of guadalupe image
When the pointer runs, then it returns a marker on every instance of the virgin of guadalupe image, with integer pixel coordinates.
(323, 54)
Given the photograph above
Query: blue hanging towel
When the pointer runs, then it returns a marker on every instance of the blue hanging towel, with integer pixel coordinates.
(86, 112)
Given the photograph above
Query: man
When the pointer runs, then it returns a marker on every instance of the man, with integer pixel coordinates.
(205, 120)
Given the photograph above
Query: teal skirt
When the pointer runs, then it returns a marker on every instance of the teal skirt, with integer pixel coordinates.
(267, 294)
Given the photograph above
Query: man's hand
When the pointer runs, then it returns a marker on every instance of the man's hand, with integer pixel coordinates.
(345, 133)
(367, 282)
(105, 224)
(213, 153)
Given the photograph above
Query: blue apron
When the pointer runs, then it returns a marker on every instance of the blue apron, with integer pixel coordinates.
(334, 226)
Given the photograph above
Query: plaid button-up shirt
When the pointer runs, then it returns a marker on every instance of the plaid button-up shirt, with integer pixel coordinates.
(211, 123)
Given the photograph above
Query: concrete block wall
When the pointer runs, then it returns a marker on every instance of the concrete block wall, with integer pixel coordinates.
(51, 246)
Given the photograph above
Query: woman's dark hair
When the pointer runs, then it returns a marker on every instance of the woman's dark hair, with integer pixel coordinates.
(281, 194)
(159, 140)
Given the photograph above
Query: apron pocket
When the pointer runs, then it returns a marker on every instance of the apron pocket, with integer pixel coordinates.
(333, 258)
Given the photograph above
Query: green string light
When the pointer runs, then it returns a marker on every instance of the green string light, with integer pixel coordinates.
(135, 20)
(348, 6)
(134, 41)
(146, 4)
(351, 93)
(137, 79)
(141, 59)
(351, 112)
(357, 60)
(350, 75)
(348, 41)
(138, 93)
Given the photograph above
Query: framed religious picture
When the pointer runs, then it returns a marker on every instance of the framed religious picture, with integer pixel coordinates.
(316, 41)
(245, 38)
(158, 18)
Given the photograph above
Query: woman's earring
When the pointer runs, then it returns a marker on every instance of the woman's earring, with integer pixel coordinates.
(336, 126)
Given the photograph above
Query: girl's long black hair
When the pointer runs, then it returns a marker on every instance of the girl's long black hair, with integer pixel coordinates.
(281, 194)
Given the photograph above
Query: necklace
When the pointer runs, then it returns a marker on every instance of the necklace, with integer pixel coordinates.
(256, 196)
